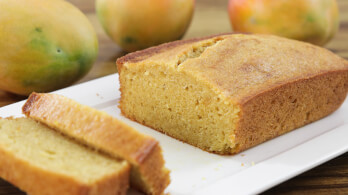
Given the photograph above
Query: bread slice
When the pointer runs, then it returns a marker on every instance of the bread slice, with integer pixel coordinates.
(103, 132)
(227, 93)
(39, 160)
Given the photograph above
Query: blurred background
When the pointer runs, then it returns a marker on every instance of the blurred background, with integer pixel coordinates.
(210, 17)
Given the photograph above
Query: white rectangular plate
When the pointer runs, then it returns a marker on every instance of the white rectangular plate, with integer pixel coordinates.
(194, 171)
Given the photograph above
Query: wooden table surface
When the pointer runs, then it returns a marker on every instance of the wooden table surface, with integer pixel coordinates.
(211, 17)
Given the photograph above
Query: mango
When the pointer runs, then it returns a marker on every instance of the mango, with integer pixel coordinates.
(314, 21)
(44, 45)
(138, 24)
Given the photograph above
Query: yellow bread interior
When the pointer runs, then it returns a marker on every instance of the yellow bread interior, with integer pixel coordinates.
(178, 104)
(50, 151)
(159, 93)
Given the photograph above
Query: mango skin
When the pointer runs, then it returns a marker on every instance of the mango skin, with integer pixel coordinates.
(314, 21)
(44, 45)
(138, 24)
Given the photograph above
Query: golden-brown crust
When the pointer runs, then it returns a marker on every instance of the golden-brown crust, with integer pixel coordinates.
(103, 132)
(26, 107)
(36, 181)
(142, 54)
(243, 66)
(144, 151)
(289, 106)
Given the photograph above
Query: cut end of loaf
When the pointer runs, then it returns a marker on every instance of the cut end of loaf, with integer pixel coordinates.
(164, 97)
(179, 106)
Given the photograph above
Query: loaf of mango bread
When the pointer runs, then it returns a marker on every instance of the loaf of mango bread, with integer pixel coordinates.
(227, 93)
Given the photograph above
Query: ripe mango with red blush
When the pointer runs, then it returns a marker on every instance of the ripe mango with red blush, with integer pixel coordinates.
(314, 21)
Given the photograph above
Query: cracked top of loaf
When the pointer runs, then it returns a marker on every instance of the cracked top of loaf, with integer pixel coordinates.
(241, 65)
